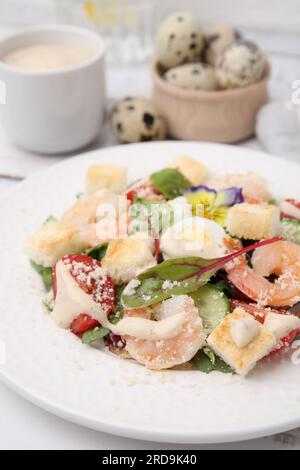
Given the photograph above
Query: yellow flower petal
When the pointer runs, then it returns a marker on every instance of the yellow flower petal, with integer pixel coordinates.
(218, 214)
(200, 202)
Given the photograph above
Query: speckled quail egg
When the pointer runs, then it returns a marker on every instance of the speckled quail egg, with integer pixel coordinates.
(137, 120)
(179, 40)
(193, 77)
(241, 64)
(216, 39)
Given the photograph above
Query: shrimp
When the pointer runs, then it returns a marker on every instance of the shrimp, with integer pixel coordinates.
(105, 230)
(283, 260)
(168, 353)
(99, 217)
(92, 220)
(255, 187)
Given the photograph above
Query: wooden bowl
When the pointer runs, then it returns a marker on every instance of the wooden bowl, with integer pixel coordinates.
(225, 116)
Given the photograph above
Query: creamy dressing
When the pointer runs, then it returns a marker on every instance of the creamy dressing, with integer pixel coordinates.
(149, 329)
(281, 325)
(244, 330)
(71, 300)
(43, 57)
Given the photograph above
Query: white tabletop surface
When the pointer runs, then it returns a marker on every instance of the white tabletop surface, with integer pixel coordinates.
(23, 425)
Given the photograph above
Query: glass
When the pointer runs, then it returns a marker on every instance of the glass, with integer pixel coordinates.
(126, 26)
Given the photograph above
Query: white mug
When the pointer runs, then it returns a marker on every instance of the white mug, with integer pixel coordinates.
(55, 111)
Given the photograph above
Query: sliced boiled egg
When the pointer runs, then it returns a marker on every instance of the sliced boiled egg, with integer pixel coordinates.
(194, 236)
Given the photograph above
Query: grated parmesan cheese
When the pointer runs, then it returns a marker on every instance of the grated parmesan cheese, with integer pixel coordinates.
(131, 287)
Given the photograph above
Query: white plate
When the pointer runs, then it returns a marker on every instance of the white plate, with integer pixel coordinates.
(51, 367)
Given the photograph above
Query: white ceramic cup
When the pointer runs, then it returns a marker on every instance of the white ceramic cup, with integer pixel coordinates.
(55, 111)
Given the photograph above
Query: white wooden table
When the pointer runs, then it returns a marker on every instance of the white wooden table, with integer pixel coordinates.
(25, 426)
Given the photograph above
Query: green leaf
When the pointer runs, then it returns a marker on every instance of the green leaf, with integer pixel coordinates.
(118, 292)
(94, 334)
(145, 202)
(290, 230)
(46, 273)
(117, 316)
(119, 311)
(161, 215)
(37, 267)
(48, 302)
(213, 306)
(47, 277)
(203, 362)
(273, 202)
(176, 268)
(206, 361)
(170, 182)
(98, 252)
(221, 285)
(190, 274)
(139, 216)
(153, 287)
(51, 218)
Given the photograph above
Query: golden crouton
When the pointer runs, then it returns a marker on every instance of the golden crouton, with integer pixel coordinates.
(253, 221)
(88, 208)
(125, 258)
(52, 242)
(241, 359)
(193, 170)
(105, 176)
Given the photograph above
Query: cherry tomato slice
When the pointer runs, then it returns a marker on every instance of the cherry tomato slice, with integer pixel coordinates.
(84, 270)
(83, 323)
(145, 191)
(258, 312)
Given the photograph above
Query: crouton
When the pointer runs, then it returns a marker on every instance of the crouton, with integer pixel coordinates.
(54, 240)
(253, 221)
(105, 176)
(193, 170)
(126, 258)
(88, 209)
(241, 359)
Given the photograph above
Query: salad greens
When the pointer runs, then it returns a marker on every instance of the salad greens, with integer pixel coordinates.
(98, 252)
(161, 215)
(117, 316)
(95, 334)
(213, 305)
(165, 280)
(206, 361)
(187, 274)
(46, 273)
(290, 230)
(119, 311)
(170, 182)
(51, 218)
(48, 302)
